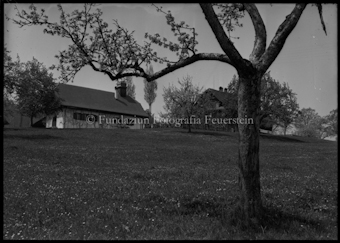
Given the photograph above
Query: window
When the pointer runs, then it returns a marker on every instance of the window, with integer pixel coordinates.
(79, 116)
(76, 116)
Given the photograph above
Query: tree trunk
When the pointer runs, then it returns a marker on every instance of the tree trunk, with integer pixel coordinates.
(151, 117)
(31, 121)
(248, 162)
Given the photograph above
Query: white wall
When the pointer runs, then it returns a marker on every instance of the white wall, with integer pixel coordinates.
(49, 120)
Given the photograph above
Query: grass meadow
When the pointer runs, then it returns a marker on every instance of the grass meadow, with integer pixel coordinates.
(96, 184)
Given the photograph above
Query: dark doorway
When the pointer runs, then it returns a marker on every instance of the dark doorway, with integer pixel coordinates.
(54, 122)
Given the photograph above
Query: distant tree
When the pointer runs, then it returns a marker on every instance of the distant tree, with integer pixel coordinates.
(9, 82)
(311, 124)
(278, 103)
(8, 108)
(150, 116)
(150, 88)
(180, 102)
(36, 91)
(9, 75)
(307, 117)
(287, 108)
(130, 87)
(332, 122)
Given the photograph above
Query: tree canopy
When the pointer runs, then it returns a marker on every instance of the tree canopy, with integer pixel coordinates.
(278, 104)
(36, 91)
(150, 88)
(181, 102)
(311, 124)
(10, 72)
(116, 53)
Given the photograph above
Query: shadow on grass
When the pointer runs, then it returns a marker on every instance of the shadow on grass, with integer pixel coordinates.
(281, 138)
(32, 137)
(211, 133)
(211, 208)
(228, 212)
(278, 220)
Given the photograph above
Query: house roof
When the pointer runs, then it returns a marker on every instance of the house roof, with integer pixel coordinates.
(80, 97)
(219, 95)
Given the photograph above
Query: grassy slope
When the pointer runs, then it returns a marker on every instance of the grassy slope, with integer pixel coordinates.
(161, 184)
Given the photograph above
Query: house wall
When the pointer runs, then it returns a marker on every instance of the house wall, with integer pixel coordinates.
(265, 131)
(65, 119)
(49, 119)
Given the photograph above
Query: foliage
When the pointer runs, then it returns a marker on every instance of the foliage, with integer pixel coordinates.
(151, 118)
(185, 34)
(36, 90)
(308, 132)
(180, 102)
(307, 117)
(311, 124)
(332, 122)
(10, 69)
(150, 88)
(8, 107)
(229, 15)
(93, 43)
(130, 87)
(115, 52)
(9, 82)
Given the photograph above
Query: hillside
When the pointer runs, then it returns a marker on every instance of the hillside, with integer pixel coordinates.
(161, 184)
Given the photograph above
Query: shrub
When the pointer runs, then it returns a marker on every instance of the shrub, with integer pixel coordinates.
(308, 132)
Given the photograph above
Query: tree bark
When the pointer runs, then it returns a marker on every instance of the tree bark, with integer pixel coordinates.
(31, 121)
(248, 162)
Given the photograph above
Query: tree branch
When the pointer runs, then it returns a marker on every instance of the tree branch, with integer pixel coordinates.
(227, 46)
(280, 37)
(260, 32)
(183, 63)
(101, 70)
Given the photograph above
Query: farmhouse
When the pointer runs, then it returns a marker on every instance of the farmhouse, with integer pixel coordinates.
(90, 108)
(212, 100)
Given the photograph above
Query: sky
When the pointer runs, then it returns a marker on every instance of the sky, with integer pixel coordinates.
(307, 62)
